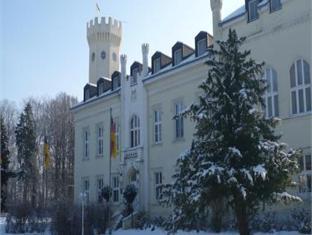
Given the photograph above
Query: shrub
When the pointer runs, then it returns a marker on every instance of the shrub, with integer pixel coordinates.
(302, 218)
(22, 218)
(66, 219)
(129, 195)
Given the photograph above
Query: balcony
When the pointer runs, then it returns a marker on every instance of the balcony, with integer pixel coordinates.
(135, 153)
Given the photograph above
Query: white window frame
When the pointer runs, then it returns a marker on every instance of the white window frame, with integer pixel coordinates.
(253, 5)
(117, 134)
(100, 140)
(179, 122)
(156, 65)
(178, 56)
(297, 88)
(85, 188)
(115, 189)
(275, 5)
(99, 187)
(201, 46)
(158, 184)
(305, 174)
(134, 131)
(157, 126)
(271, 94)
(86, 145)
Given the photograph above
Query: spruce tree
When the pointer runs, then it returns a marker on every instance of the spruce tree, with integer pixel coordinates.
(236, 157)
(26, 154)
(4, 159)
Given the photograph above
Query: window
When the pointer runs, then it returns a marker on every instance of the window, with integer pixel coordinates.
(134, 131)
(99, 187)
(100, 141)
(177, 56)
(252, 10)
(87, 94)
(116, 83)
(156, 65)
(201, 46)
(134, 78)
(271, 95)
(86, 135)
(101, 88)
(92, 56)
(158, 185)
(115, 189)
(157, 126)
(305, 176)
(86, 188)
(300, 87)
(275, 5)
(179, 120)
(116, 121)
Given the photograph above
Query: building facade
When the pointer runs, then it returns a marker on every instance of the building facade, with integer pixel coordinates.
(143, 103)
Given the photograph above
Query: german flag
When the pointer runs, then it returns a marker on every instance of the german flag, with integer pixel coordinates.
(46, 153)
(113, 144)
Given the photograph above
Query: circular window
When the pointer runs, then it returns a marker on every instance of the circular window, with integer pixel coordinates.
(114, 56)
(103, 55)
(93, 56)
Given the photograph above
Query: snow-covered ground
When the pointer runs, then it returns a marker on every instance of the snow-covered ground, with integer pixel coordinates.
(147, 232)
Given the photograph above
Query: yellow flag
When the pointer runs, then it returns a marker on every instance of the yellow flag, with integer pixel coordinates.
(46, 153)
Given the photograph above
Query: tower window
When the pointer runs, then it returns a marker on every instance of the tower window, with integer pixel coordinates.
(252, 10)
(93, 56)
(114, 56)
(103, 55)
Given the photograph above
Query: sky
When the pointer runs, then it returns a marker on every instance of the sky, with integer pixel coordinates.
(43, 46)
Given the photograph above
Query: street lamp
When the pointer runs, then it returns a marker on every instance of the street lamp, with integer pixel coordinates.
(83, 196)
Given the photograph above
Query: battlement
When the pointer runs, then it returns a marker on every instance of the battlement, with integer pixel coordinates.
(105, 26)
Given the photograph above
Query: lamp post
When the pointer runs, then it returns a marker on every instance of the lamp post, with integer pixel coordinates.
(83, 196)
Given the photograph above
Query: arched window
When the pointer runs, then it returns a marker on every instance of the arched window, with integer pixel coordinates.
(300, 87)
(134, 131)
(271, 94)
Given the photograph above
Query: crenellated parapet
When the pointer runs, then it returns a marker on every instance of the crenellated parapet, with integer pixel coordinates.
(104, 29)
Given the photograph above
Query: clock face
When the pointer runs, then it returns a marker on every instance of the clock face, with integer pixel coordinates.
(103, 55)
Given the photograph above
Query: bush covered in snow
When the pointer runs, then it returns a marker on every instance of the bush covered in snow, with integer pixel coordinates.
(129, 195)
(22, 218)
(66, 219)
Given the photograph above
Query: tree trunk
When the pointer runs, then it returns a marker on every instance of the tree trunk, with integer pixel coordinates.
(242, 220)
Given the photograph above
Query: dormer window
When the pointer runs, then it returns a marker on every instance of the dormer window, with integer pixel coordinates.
(201, 46)
(252, 10)
(87, 94)
(101, 88)
(177, 56)
(134, 78)
(275, 5)
(156, 65)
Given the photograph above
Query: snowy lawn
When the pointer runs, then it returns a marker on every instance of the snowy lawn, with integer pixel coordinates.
(147, 232)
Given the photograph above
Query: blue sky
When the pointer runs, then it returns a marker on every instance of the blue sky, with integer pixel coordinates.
(43, 47)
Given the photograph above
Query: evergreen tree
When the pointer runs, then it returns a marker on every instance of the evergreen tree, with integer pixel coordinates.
(26, 148)
(4, 159)
(236, 156)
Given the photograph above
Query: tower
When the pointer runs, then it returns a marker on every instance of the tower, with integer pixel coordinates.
(104, 40)
(216, 6)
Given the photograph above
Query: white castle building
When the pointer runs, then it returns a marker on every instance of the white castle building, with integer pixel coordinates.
(144, 102)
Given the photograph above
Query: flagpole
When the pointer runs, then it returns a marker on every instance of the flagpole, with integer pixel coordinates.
(110, 169)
